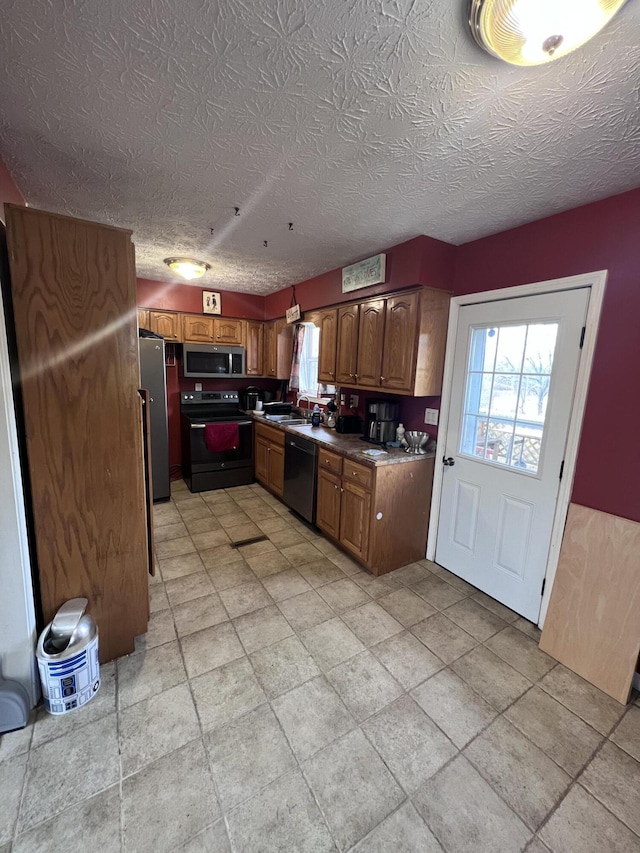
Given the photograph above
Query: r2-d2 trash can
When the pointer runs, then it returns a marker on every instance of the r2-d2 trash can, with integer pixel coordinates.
(67, 656)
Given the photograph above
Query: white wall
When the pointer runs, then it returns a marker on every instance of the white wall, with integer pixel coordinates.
(17, 614)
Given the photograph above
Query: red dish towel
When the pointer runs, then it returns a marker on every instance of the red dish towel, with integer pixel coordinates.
(220, 437)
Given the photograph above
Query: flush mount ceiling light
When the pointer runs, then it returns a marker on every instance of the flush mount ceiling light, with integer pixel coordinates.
(187, 267)
(531, 32)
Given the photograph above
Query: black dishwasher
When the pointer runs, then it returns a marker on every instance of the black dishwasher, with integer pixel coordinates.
(300, 476)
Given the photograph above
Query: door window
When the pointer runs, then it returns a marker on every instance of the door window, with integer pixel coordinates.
(507, 388)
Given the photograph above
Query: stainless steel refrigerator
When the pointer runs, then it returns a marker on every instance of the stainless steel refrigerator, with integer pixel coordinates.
(153, 378)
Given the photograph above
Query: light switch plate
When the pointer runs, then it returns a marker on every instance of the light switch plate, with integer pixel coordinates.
(198, 386)
(353, 401)
(431, 416)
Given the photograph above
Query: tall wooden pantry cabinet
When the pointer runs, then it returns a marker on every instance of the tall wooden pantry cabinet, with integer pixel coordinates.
(73, 294)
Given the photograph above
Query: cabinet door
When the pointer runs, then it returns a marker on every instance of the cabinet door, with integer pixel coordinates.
(400, 341)
(255, 346)
(166, 324)
(270, 351)
(276, 468)
(370, 338)
(354, 519)
(328, 506)
(261, 461)
(327, 356)
(347, 345)
(197, 329)
(283, 348)
(227, 331)
(143, 318)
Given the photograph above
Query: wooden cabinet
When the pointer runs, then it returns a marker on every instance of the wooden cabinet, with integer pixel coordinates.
(143, 318)
(269, 457)
(347, 345)
(328, 324)
(370, 339)
(255, 348)
(228, 331)
(400, 342)
(278, 349)
(379, 515)
(167, 324)
(197, 328)
(83, 431)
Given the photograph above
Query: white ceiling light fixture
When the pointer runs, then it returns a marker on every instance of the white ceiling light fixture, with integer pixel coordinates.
(532, 32)
(187, 267)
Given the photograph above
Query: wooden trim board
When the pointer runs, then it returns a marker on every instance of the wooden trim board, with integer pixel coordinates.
(593, 621)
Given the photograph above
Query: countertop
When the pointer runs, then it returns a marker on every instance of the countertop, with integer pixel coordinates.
(347, 444)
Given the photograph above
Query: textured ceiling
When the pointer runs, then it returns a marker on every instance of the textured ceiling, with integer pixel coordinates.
(365, 122)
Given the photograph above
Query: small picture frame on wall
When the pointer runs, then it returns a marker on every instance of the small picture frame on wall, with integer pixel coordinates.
(210, 302)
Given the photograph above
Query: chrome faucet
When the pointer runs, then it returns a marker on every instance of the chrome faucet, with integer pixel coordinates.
(300, 397)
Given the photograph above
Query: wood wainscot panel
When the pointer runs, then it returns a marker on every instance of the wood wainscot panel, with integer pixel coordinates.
(593, 621)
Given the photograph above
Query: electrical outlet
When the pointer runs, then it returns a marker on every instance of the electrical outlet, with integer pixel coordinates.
(343, 400)
(198, 386)
(431, 416)
(353, 401)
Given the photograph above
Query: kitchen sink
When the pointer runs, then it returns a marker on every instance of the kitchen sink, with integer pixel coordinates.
(287, 420)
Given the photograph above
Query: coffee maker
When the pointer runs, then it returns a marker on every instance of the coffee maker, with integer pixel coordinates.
(381, 421)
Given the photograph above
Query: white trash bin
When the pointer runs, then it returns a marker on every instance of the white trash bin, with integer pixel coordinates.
(67, 655)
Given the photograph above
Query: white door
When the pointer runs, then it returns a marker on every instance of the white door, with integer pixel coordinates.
(514, 375)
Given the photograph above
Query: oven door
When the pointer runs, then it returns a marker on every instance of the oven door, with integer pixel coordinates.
(202, 459)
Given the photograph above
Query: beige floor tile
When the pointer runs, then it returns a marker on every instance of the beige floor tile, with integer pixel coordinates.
(248, 754)
(170, 531)
(364, 685)
(443, 638)
(404, 831)
(320, 572)
(285, 584)
(475, 619)
(157, 598)
(407, 659)
(226, 693)
(283, 666)
(582, 825)
(273, 524)
(255, 549)
(222, 555)
(193, 510)
(495, 606)
(174, 547)
(155, 727)
(210, 648)
(287, 537)
(213, 839)
(178, 567)
(228, 575)
(456, 582)
(312, 716)
(343, 595)
(160, 630)
(331, 643)
(343, 561)
(168, 801)
(497, 682)
(242, 532)
(187, 588)
(409, 743)
(407, 607)
(627, 735)
(165, 514)
(522, 653)
(376, 587)
(437, 592)
(521, 773)
(613, 777)
(306, 610)
(465, 813)
(409, 575)
(302, 553)
(18, 742)
(564, 737)
(199, 613)
(352, 764)
(202, 525)
(210, 539)
(245, 598)
(12, 776)
(454, 706)
(371, 623)
(262, 628)
(270, 563)
(528, 628)
(595, 707)
(149, 673)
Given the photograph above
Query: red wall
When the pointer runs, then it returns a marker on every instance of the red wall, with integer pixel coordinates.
(422, 260)
(188, 298)
(603, 235)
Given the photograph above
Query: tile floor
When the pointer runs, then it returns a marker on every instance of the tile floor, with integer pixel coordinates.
(285, 700)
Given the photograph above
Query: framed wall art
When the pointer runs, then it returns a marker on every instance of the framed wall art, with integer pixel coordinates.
(210, 302)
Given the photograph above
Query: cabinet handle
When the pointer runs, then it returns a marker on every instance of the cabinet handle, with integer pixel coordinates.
(334, 486)
(342, 490)
(331, 373)
(383, 379)
(355, 376)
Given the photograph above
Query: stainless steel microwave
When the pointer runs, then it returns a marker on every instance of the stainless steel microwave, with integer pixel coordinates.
(203, 361)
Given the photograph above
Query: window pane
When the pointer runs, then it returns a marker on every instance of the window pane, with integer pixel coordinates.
(483, 349)
(505, 395)
(478, 393)
(511, 341)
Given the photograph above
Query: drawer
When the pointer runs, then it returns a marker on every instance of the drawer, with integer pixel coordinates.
(271, 434)
(357, 473)
(330, 461)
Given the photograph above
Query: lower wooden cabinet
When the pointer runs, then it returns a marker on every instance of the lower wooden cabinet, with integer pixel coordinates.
(269, 458)
(378, 515)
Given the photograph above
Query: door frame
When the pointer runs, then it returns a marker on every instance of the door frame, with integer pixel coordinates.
(596, 282)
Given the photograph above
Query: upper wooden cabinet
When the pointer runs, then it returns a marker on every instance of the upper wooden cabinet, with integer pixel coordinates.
(347, 345)
(227, 331)
(400, 342)
(167, 324)
(197, 328)
(143, 318)
(370, 339)
(328, 323)
(255, 348)
(278, 349)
